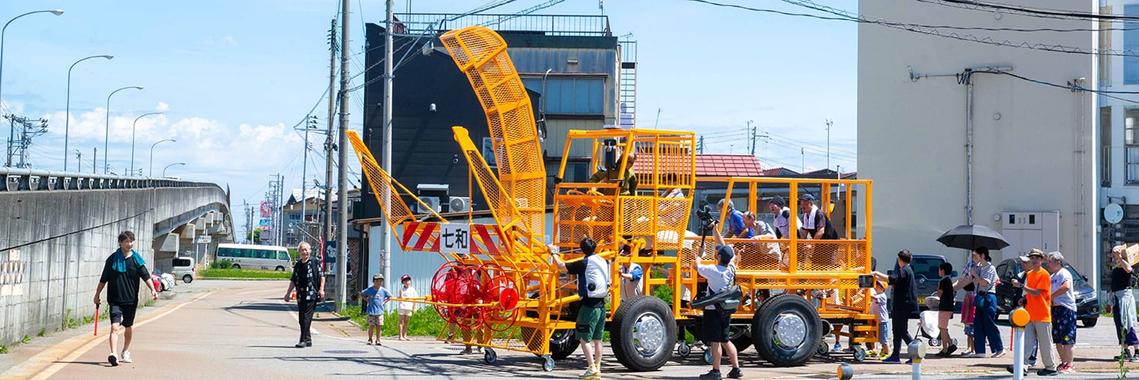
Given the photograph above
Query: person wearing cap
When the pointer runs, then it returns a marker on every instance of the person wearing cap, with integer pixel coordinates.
(717, 322)
(405, 308)
(590, 324)
(782, 223)
(905, 302)
(376, 296)
(1038, 302)
(308, 280)
(1063, 310)
(1018, 282)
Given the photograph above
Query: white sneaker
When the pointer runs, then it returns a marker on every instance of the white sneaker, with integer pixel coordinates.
(126, 357)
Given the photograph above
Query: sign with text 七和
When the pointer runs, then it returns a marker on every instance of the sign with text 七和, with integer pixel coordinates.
(455, 238)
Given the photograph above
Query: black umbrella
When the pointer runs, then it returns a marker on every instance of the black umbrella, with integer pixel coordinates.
(971, 236)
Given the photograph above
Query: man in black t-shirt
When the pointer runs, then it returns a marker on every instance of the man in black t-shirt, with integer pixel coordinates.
(123, 271)
(308, 280)
(905, 302)
(590, 325)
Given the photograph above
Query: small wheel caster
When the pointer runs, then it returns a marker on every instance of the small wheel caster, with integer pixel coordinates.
(489, 356)
(548, 363)
(683, 349)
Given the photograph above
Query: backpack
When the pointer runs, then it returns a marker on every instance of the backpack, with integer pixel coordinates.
(596, 277)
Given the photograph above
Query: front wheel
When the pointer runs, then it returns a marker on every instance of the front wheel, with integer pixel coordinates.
(643, 333)
(187, 279)
(1090, 322)
(235, 266)
(786, 330)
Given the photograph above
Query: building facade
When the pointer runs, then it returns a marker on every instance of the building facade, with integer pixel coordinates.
(1118, 153)
(954, 129)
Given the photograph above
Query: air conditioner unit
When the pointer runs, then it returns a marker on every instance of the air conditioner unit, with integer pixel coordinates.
(460, 204)
(432, 202)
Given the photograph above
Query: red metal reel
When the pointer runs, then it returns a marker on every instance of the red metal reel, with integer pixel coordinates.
(504, 292)
(442, 288)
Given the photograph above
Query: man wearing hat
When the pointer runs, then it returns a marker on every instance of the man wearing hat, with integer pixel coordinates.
(778, 207)
(716, 322)
(1038, 302)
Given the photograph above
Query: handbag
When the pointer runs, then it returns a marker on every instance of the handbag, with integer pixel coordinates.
(1132, 338)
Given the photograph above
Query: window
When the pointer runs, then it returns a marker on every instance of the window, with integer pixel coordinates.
(282, 256)
(1131, 146)
(1131, 43)
(1105, 146)
(573, 95)
(181, 262)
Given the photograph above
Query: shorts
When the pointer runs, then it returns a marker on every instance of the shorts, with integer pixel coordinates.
(590, 323)
(968, 330)
(884, 332)
(1063, 325)
(716, 325)
(123, 314)
(404, 312)
(376, 320)
(943, 318)
(967, 310)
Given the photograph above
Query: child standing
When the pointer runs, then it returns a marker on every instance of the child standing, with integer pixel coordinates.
(405, 307)
(878, 302)
(376, 296)
(946, 294)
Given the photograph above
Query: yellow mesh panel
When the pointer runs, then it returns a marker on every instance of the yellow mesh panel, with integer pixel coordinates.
(480, 53)
(381, 183)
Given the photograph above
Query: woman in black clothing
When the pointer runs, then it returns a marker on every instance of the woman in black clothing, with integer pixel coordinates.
(1124, 305)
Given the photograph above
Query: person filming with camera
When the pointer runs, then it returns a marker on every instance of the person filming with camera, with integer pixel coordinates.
(717, 318)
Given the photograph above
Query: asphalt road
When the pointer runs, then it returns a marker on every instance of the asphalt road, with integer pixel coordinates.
(243, 330)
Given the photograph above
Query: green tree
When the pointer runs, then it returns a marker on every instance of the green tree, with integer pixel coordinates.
(257, 236)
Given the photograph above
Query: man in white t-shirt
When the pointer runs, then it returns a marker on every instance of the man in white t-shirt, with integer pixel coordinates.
(782, 223)
(632, 281)
(716, 322)
(1063, 310)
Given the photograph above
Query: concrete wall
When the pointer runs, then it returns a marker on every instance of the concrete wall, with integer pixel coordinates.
(1033, 143)
(53, 245)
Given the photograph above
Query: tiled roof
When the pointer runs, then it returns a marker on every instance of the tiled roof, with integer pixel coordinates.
(780, 172)
(727, 165)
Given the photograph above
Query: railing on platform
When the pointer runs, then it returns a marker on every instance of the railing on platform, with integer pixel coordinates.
(558, 25)
(42, 180)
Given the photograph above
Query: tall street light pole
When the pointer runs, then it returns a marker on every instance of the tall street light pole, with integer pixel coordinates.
(107, 132)
(134, 127)
(56, 12)
(168, 167)
(67, 113)
(152, 153)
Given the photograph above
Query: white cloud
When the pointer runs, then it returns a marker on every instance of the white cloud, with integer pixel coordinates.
(229, 41)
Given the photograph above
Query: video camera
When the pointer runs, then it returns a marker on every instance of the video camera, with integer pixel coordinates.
(706, 219)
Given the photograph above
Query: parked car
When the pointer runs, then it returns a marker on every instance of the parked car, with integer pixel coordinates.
(1008, 296)
(926, 276)
(185, 269)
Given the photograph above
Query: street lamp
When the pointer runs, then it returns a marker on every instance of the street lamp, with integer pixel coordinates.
(56, 12)
(67, 113)
(107, 133)
(152, 153)
(134, 126)
(168, 167)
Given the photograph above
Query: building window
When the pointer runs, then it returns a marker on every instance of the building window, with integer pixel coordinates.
(571, 96)
(1130, 146)
(1131, 43)
(1105, 146)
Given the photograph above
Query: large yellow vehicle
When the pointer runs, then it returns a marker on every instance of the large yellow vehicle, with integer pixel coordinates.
(500, 289)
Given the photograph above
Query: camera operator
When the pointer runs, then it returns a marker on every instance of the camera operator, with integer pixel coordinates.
(716, 322)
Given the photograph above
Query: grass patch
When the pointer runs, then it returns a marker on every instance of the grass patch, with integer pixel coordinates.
(42, 333)
(423, 322)
(26, 339)
(243, 273)
(221, 264)
(3, 350)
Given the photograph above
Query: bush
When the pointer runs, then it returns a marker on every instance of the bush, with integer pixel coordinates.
(244, 273)
(221, 264)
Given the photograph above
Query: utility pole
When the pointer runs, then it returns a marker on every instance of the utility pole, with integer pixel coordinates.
(78, 161)
(18, 143)
(802, 160)
(94, 160)
(326, 233)
(310, 124)
(342, 191)
(829, 124)
(700, 145)
(751, 131)
(385, 234)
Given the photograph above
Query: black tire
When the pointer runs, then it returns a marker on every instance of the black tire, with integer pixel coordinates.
(1090, 322)
(741, 338)
(622, 337)
(235, 266)
(803, 316)
(187, 279)
(279, 268)
(563, 343)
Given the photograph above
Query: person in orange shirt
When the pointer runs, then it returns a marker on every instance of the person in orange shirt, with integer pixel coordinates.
(1038, 296)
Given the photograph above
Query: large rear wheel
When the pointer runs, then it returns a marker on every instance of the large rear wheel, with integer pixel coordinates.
(643, 334)
(786, 330)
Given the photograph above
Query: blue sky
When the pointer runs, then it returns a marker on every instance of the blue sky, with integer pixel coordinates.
(235, 76)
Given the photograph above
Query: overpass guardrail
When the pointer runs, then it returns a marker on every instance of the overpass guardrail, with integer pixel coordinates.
(16, 179)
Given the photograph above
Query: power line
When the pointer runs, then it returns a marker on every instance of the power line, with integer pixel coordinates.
(1027, 11)
(930, 30)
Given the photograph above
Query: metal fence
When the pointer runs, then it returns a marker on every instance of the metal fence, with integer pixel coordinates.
(40, 180)
(559, 25)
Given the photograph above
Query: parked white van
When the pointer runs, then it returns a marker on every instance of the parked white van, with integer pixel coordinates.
(185, 269)
(248, 256)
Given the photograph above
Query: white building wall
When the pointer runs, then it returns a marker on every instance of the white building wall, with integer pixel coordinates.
(1033, 143)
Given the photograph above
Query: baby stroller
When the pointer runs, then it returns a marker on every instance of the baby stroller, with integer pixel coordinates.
(927, 323)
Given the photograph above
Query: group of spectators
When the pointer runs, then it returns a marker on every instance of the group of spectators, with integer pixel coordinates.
(1048, 298)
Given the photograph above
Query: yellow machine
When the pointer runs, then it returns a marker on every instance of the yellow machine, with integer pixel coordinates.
(500, 289)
